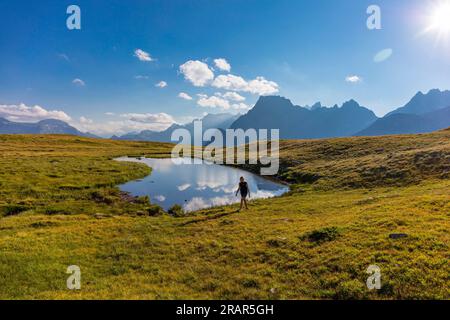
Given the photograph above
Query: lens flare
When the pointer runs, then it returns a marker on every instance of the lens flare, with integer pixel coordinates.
(440, 18)
(438, 21)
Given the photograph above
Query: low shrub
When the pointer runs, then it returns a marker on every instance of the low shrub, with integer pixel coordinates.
(57, 210)
(155, 211)
(143, 200)
(107, 196)
(13, 209)
(176, 211)
(322, 235)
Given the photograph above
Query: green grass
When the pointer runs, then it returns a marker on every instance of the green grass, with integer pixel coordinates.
(60, 206)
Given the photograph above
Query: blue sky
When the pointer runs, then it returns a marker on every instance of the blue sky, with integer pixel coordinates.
(306, 51)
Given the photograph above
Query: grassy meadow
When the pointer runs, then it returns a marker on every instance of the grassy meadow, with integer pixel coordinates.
(60, 206)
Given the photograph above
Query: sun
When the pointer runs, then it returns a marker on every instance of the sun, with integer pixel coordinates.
(440, 18)
(438, 21)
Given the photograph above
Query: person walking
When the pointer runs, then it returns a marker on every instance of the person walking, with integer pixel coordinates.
(245, 191)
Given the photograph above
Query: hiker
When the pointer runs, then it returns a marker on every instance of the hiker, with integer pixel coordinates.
(245, 191)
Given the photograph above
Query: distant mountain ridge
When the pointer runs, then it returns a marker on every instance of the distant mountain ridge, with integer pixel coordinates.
(48, 126)
(296, 122)
(423, 113)
(403, 123)
(219, 121)
(421, 103)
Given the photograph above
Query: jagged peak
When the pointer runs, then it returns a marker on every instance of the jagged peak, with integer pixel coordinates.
(438, 91)
(434, 91)
(351, 104)
(272, 98)
(316, 105)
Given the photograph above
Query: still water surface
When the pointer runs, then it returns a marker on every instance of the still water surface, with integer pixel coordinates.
(196, 186)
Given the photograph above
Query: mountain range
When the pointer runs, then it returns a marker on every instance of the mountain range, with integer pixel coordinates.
(403, 123)
(297, 122)
(48, 126)
(424, 103)
(423, 113)
(219, 121)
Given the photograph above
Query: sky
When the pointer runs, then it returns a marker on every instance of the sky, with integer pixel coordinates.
(138, 64)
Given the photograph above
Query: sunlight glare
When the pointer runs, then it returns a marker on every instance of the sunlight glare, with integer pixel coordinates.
(440, 19)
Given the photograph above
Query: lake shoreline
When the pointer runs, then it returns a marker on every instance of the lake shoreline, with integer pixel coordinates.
(177, 183)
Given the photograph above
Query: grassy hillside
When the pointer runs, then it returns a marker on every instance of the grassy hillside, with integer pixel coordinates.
(59, 206)
(68, 175)
(365, 161)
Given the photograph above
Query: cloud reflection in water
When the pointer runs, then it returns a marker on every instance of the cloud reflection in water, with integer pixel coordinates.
(196, 186)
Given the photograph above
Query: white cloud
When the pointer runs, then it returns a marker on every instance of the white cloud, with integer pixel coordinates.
(64, 56)
(120, 127)
(85, 120)
(184, 96)
(195, 204)
(219, 102)
(353, 79)
(186, 119)
(160, 118)
(78, 82)
(197, 72)
(232, 96)
(142, 55)
(222, 64)
(230, 82)
(240, 106)
(262, 87)
(161, 84)
(227, 198)
(213, 102)
(131, 122)
(200, 75)
(160, 198)
(23, 113)
(184, 187)
(141, 77)
(259, 86)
